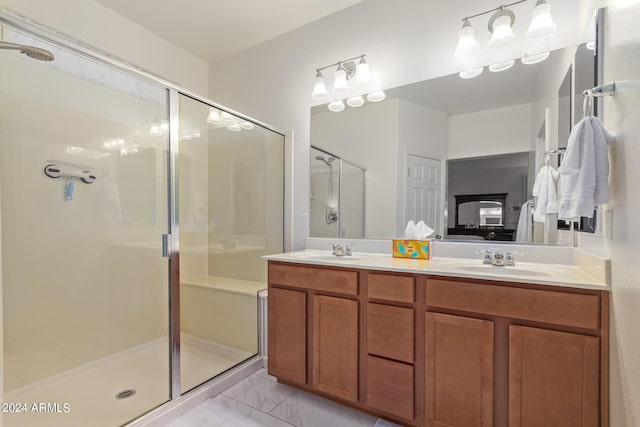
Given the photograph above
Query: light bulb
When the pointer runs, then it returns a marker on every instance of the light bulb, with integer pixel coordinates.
(542, 23)
(356, 101)
(502, 34)
(469, 74)
(340, 80)
(534, 59)
(376, 96)
(336, 106)
(155, 129)
(319, 88)
(214, 116)
(362, 73)
(501, 66)
(467, 43)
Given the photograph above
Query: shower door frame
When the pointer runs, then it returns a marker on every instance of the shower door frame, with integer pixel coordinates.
(171, 245)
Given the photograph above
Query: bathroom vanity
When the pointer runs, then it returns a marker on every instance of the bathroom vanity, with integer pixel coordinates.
(442, 342)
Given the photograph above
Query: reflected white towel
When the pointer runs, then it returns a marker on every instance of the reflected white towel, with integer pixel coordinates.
(524, 232)
(585, 170)
(544, 193)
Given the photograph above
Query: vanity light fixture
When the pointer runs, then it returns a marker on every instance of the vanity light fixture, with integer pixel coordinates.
(376, 96)
(234, 127)
(535, 58)
(469, 74)
(501, 66)
(501, 27)
(467, 43)
(362, 73)
(214, 116)
(542, 23)
(247, 125)
(336, 106)
(356, 101)
(155, 129)
(347, 71)
(319, 88)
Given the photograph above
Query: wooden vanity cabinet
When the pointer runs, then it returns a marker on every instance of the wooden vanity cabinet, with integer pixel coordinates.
(515, 355)
(314, 328)
(390, 345)
(423, 350)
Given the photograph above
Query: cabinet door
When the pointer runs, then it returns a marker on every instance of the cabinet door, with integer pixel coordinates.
(335, 346)
(390, 387)
(287, 334)
(459, 371)
(553, 378)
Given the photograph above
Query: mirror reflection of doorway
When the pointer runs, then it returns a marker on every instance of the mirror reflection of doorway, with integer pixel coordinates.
(424, 190)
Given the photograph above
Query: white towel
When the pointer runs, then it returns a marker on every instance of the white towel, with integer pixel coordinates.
(524, 231)
(585, 170)
(544, 193)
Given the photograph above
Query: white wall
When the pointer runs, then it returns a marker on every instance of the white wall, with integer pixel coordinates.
(96, 25)
(490, 132)
(367, 136)
(404, 44)
(422, 132)
(622, 64)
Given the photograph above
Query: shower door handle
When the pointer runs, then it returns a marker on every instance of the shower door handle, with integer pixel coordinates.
(165, 246)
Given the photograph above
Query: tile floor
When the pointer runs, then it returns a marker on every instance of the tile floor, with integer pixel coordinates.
(259, 400)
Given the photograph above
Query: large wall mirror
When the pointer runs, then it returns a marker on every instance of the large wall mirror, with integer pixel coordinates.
(429, 143)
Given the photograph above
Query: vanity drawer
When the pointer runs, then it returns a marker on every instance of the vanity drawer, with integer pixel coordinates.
(319, 279)
(561, 308)
(390, 287)
(390, 332)
(389, 387)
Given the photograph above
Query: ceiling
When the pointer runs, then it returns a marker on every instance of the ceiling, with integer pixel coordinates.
(215, 29)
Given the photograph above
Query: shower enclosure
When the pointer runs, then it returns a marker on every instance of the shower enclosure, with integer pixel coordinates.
(133, 216)
(337, 196)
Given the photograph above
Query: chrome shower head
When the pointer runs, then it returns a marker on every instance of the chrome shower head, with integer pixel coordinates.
(30, 51)
(327, 161)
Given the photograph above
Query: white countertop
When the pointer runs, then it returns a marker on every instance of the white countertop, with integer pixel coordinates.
(524, 272)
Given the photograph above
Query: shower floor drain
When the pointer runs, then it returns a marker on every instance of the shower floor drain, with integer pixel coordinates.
(125, 393)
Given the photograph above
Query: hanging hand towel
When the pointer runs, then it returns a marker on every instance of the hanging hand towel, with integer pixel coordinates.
(585, 170)
(524, 232)
(544, 193)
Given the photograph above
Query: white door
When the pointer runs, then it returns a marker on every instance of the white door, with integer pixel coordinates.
(424, 188)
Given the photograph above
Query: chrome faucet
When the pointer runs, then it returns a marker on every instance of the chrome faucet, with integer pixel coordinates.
(510, 259)
(488, 256)
(338, 250)
(498, 257)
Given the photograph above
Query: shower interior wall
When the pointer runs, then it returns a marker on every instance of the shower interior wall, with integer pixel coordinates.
(56, 245)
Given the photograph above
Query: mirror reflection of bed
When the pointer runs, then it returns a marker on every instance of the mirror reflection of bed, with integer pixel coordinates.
(475, 213)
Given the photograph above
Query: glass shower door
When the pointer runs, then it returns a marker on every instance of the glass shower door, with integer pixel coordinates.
(83, 206)
(230, 186)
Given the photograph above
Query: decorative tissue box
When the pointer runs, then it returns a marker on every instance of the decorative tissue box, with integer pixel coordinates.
(416, 249)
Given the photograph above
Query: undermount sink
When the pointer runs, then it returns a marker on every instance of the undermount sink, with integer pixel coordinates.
(502, 270)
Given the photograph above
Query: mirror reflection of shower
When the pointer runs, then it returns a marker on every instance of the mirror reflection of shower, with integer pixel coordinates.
(337, 196)
(331, 211)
